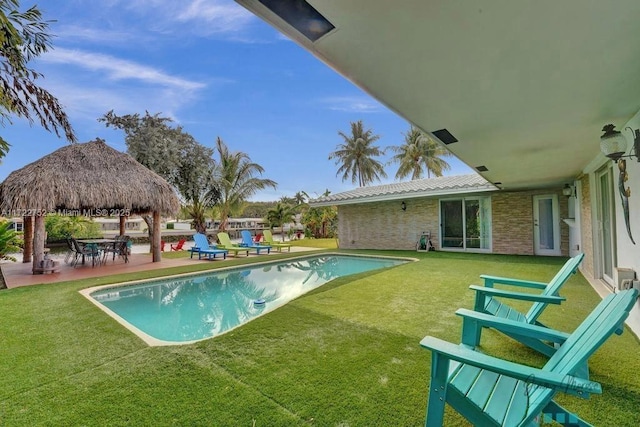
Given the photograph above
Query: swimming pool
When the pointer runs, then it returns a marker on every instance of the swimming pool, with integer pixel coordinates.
(185, 309)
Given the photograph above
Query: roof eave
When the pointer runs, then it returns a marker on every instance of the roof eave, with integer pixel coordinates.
(404, 196)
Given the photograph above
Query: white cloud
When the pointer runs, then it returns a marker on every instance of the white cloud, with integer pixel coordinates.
(352, 104)
(119, 69)
(94, 35)
(197, 16)
(87, 102)
(219, 16)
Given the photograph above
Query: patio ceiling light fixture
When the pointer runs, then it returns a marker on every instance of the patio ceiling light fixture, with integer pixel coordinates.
(613, 143)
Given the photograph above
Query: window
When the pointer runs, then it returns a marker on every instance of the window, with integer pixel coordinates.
(465, 223)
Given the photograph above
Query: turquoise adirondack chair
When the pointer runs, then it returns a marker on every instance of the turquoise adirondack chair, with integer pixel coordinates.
(487, 302)
(489, 391)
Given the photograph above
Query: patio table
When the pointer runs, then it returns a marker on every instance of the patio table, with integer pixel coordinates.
(99, 243)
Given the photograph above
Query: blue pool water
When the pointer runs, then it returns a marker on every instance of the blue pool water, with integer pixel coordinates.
(191, 308)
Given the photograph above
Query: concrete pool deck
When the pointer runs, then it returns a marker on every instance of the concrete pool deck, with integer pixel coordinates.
(18, 274)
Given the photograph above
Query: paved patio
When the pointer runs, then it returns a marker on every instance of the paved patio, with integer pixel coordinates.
(19, 274)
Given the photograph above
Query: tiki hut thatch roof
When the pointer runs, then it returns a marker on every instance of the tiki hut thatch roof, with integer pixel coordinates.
(87, 176)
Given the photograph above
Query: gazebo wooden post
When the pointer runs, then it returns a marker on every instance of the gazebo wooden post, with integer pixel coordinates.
(155, 240)
(122, 221)
(27, 229)
(38, 242)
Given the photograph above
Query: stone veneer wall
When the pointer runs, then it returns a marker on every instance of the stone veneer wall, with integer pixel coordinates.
(384, 225)
(512, 221)
(586, 232)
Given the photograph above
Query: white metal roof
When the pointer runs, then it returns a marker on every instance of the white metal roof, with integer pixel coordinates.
(431, 187)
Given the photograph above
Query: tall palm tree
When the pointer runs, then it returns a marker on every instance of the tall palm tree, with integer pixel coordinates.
(237, 178)
(419, 153)
(280, 215)
(300, 197)
(199, 205)
(356, 156)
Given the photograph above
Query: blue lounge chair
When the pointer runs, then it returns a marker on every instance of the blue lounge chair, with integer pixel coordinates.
(489, 391)
(204, 248)
(247, 242)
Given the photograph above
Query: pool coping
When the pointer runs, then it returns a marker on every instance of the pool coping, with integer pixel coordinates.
(155, 342)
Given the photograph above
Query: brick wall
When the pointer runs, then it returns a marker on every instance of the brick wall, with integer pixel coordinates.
(384, 225)
(512, 221)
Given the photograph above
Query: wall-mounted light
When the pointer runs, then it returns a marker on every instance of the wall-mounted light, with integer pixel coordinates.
(403, 206)
(567, 190)
(613, 143)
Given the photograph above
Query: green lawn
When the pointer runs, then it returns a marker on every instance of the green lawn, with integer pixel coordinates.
(346, 354)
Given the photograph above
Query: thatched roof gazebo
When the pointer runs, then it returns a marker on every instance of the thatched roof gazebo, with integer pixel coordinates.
(90, 179)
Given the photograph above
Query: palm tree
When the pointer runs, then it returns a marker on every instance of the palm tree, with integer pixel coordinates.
(280, 215)
(24, 37)
(356, 156)
(419, 152)
(237, 181)
(200, 204)
(301, 198)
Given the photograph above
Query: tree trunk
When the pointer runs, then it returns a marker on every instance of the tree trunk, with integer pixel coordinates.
(122, 221)
(155, 240)
(38, 242)
(27, 224)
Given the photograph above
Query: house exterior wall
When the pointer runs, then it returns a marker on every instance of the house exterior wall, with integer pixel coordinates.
(628, 253)
(384, 225)
(586, 228)
(512, 224)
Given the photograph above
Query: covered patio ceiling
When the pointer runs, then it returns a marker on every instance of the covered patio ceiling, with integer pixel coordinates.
(524, 86)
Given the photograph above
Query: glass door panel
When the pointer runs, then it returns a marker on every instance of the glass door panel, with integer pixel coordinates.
(452, 224)
(466, 223)
(606, 224)
(546, 223)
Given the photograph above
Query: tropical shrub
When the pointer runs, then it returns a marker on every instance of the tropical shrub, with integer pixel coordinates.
(321, 223)
(9, 241)
(61, 227)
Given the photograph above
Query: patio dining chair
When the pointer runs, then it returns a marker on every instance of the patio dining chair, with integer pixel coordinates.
(82, 252)
(118, 248)
(71, 252)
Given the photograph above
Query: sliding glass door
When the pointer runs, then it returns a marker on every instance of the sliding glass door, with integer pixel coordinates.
(466, 223)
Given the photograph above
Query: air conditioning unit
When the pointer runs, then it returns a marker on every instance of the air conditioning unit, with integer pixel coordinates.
(626, 284)
(624, 278)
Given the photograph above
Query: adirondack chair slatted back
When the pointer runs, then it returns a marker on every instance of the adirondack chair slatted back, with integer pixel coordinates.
(488, 398)
(603, 321)
(246, 238)
(201, 241)
(224, 239)
(268, 237)
(570, 267)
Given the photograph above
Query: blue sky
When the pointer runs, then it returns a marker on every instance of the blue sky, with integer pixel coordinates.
(215, 69)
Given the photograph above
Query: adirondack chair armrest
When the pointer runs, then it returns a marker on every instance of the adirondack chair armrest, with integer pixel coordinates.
(471, 320)
(564, 383)
(489, 281)
(549, 299)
